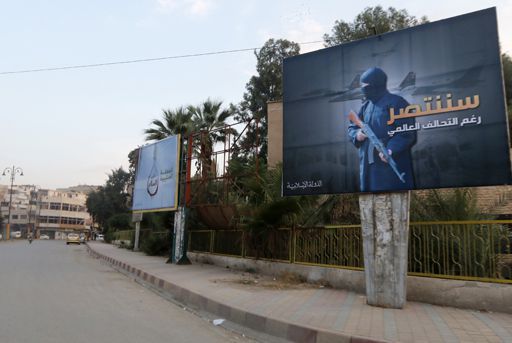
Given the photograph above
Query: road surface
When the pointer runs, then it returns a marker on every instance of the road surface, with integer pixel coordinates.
(50, 292)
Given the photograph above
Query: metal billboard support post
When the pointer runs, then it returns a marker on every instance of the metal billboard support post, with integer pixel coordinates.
(179, 246)
(178, 250)
(385, 229)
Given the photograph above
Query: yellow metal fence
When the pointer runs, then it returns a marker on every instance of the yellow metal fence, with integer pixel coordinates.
(467, 250)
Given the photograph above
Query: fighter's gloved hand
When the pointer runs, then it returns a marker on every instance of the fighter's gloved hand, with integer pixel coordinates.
(360, 136)
(381, 155)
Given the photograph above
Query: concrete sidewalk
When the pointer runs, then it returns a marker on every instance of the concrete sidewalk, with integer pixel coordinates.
(305, 314)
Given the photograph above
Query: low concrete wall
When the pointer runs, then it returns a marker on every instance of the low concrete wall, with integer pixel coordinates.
(118, 242)
(486, 296)
(456, 293)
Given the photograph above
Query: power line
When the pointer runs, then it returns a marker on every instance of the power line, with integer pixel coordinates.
(95, 65)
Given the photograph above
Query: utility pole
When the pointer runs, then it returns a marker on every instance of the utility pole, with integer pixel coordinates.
(32, 226)
(13, 171)
(29, 230)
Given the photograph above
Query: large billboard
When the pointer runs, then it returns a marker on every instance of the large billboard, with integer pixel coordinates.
(413, 109)
(156, 180)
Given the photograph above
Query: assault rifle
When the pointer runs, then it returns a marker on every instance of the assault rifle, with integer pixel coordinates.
(377, 143)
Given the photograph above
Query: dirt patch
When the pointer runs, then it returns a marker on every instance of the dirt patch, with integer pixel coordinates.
(281, 282)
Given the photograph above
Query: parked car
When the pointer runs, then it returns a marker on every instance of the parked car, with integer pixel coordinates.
(99, 237)
(73, 238)
(16, 234)
(44, 236)
(1, 237)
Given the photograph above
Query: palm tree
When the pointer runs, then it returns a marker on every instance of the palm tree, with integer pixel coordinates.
(208, 116)
(178, 121)
(209, 119)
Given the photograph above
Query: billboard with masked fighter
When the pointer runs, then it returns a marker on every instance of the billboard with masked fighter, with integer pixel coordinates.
(418, 108)
(157, 177)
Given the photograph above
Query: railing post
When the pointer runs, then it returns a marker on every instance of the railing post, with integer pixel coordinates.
(243, 243)
(293, 241)
(212, 240)
(189, 242)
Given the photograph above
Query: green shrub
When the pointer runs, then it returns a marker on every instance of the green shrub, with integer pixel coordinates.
(120, 221)
(108, 236)
(156, 245)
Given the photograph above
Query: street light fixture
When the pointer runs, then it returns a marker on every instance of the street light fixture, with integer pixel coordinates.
(13, 171)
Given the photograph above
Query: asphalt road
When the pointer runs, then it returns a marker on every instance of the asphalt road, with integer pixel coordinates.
(50, 292)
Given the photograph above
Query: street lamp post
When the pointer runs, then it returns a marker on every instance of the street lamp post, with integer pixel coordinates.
(13, 171)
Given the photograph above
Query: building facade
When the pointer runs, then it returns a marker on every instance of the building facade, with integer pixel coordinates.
(23, 208)
(62, 212)
(42, 211)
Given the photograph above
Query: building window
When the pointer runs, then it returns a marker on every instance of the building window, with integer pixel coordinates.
(54, 206)
(65, 207)
(14, 216)
(23, 216)
(72, 221)
(53, 220)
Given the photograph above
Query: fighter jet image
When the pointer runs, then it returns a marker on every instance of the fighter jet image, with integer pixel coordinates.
(448, 82)
(353, 85)
(407, 85)
(355, 93)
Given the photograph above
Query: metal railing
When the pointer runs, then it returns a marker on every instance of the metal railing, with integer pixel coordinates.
(125, 235)
(462, 250)
(466, 250)
(129, 235)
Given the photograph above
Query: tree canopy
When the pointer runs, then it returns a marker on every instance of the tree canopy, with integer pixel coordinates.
(507, 76)
(371, 21)
(507, 72)
(110, 199)
(264, 87)
(208, 116)
(173, 122)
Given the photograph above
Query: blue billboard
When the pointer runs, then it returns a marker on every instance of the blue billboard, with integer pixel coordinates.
(157, 176)
(418, 108)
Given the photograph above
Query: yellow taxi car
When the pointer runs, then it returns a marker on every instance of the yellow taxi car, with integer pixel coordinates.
(73, 238)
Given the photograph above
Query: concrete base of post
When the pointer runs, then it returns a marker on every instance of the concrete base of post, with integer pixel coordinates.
(385, 231)
(137, 236)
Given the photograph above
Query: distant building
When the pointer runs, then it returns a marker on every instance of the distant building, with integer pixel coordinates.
(55, 213)
(61, 212)
(86, 189)
(23, 207)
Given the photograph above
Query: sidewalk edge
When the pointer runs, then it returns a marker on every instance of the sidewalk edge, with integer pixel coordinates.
(267, 325)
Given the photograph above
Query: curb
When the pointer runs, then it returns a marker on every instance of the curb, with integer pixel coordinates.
(270, 326)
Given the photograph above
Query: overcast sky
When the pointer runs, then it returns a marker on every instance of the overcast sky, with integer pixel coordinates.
(73, 126)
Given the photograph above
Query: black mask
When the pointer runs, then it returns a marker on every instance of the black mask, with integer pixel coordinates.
(373, 84)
